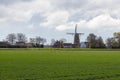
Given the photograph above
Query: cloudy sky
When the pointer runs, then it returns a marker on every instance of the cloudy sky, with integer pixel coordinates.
(54, 18)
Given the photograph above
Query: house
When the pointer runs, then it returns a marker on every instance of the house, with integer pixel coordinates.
(20, 44)
(67, 45)
(84, 44)
(4, 44)
(29, 45)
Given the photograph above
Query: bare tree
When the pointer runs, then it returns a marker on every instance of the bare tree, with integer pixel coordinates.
(43, 41)
(32, 40)
(53, 41)
(109, 42)
(21, 37)
(11, 38)
(63, 40)
(39, 40)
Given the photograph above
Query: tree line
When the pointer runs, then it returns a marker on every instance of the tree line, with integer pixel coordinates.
(93, 40)
(114, 42)
(13, 38)
(97, 42)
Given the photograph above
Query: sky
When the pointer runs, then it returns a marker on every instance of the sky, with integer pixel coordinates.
(52, 19)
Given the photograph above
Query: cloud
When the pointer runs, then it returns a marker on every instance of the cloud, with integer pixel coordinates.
(23, 11)
(56, 18)
(65, 26)
(60, 15)
(68, 5)
(104, 21)
(10, 2)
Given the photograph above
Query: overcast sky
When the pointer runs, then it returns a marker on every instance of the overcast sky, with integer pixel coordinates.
(54, 18)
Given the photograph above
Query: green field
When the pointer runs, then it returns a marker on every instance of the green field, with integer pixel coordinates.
(59, 64)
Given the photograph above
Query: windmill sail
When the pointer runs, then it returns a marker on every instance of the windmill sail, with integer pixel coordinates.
(76, 29)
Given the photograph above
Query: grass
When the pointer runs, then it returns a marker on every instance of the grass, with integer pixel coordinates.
(59, 64)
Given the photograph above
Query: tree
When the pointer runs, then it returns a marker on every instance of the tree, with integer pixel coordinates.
(91, 39)
(32, 40)
(21, 37)
(114, 42)
(53, 41)
(11, 38)
(58, 44)
(63, 40)
(38, 40)
(109, 42)
(117, 37)
(100, 42)
(43, 41)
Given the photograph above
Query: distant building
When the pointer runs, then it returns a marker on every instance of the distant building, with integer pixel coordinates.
(20, 44)
(4, 44)
(29, 45)
(67, 45)
(84, 44)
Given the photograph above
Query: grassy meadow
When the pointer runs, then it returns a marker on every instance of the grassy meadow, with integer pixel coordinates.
(59, 64)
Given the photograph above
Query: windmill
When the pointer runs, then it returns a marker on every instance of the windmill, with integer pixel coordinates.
(76, 37)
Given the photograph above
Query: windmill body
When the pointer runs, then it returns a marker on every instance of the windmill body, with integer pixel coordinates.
(76, 35)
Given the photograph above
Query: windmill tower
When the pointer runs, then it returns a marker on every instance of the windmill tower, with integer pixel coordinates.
(76, 37)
